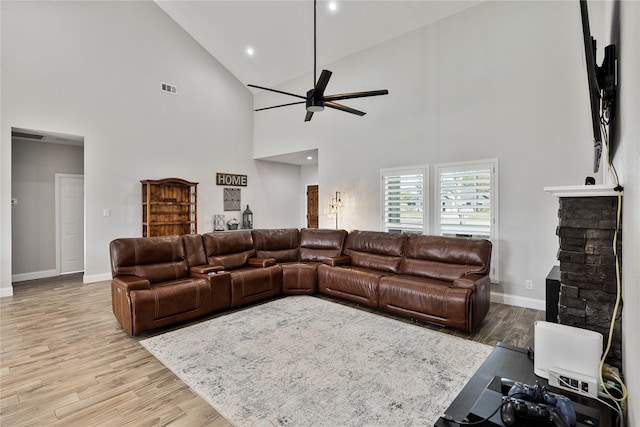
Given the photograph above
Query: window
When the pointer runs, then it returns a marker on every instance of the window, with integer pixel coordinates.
(404, 196)
(468, 201)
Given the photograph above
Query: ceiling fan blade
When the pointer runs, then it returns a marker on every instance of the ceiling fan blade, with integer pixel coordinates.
(355, 95)
(322, 82)
(281, 105)
(315, 98)
(308, 116)
(341, 107)
(278, 91)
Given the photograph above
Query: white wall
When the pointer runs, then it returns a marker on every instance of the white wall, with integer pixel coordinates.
(500, 80)
(282, 209)
(94, 69)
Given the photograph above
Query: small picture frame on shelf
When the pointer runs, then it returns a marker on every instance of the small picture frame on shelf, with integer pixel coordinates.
(218, 223)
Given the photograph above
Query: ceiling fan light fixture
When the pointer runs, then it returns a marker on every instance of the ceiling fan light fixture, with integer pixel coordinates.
(315, 104)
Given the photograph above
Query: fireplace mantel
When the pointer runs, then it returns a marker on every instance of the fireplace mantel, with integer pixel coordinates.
(582, 191)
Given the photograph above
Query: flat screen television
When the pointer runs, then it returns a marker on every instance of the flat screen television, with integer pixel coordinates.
(602, 85)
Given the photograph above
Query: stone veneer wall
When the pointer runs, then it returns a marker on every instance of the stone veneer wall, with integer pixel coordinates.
(588, 268)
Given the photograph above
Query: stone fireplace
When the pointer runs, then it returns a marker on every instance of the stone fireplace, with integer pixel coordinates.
(588, 282)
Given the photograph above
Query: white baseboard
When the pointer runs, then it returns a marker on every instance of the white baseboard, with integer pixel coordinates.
(6, 291)
(33, 275)
(537, 304)
(96, 278)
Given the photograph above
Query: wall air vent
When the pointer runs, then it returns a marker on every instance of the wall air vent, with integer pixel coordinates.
(166, 87)
(25, 135)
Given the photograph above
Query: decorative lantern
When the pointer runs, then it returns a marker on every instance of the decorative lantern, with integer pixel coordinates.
(334, 207)
(247, 218)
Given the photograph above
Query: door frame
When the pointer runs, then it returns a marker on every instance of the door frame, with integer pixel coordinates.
(306, 203)
(58, 176)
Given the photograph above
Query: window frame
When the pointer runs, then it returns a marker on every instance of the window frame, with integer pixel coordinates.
(493, 166)
(402, 171)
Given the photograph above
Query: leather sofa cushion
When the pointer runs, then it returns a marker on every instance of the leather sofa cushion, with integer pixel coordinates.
(176, 297)
(281, 244)
(317, 244)
(426, 299)
(415, 294)
(445, 258)
(255, 284)
(168, 303)
(376, 250)
(299, 278)
(351, 283)
(230, 249)
(195, 249)
(157, 259)
(433, 269)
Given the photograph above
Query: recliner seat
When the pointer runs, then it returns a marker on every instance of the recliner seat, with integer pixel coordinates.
(152, 286)
(252, 279)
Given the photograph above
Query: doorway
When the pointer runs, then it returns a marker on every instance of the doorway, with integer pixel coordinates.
(37, 157)
(312, 206)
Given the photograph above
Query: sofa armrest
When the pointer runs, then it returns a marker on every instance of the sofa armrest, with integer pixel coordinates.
(476, 282)
(261, 262)
(131, 283)
(337, 260)
(205, 269)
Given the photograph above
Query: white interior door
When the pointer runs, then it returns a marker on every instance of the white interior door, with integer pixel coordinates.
(70, 222)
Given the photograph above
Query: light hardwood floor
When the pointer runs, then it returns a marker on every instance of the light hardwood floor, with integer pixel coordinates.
(66, 361)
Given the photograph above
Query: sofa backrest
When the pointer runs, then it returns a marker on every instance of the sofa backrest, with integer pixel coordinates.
(282, 244)
(317, 244)
(230, 249)
(446, 258)
(157, 259)
(194, 247)
(375, 249)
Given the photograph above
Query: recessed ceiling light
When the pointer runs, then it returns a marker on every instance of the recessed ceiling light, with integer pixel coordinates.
(333, 6)
(309, 158)
(250, 51)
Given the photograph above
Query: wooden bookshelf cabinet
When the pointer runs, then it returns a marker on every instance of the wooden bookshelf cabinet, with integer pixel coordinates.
(169, 207)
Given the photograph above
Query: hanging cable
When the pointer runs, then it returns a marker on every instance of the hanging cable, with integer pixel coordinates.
(614, 175)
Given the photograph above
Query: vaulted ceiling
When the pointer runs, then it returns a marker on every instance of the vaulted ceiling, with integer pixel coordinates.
(281, 32)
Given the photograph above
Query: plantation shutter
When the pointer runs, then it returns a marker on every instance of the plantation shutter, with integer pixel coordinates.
(467, 197)
(466, 202)
(404, 200)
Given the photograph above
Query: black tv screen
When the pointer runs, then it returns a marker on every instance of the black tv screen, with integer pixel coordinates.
(594, 89)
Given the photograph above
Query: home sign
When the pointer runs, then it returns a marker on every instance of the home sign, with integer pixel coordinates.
(229, 179)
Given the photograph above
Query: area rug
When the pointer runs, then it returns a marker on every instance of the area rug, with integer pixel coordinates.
(304, 361)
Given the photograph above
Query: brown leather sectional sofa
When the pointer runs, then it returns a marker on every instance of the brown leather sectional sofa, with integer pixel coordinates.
(160, 281)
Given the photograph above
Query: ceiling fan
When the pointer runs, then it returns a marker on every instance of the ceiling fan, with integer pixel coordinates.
(315, 99)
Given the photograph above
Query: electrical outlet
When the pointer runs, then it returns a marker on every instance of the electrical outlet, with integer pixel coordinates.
(528, 284)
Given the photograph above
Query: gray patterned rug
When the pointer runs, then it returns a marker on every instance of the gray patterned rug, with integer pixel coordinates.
(304, 361)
